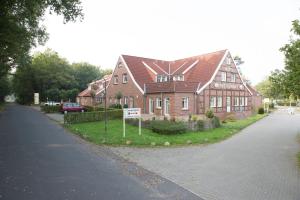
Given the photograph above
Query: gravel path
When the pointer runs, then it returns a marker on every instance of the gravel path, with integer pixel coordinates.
(258, 163)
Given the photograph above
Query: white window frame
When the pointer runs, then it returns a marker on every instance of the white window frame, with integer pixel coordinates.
(116, 79)
(246, 101)
(185, 103)
(233, 78)
(219, 101)
(165, 78)
(126, 100)
(242, 101)
(159, 78)
(212, 101)
(228, 61)
(158, 102)
(236, 101)
(151, 106)
(125, 78)
(223, 76)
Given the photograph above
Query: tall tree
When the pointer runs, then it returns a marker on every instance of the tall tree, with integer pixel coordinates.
(21, 27)
(292, 60)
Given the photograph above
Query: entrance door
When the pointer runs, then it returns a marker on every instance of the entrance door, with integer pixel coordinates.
(228, 104)
(151, 106)
(167, 106)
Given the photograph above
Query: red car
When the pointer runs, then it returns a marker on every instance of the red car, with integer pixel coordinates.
(72, 107)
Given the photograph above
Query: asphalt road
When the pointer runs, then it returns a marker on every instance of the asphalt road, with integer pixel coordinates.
(40, 160)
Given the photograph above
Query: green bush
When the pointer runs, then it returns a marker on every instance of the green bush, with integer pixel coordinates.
(125, 106)
(72, 118)
(209, 114)
(94, 109)
(50, 109)
(261, 110)
(200, 124)
(165, 127)
(116, 106)
(216, 122)
(271, 106)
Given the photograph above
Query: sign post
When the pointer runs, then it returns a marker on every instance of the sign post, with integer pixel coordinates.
(131, 113)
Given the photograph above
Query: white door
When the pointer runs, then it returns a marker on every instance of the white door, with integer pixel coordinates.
(167, 106)
(228, 104)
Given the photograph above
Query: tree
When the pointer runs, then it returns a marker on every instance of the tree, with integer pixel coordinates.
(85, 73)
(21, 27)
(292, 61)
(4, 87)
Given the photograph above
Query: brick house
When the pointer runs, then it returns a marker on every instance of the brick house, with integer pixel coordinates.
(182, 87)
(94, 94)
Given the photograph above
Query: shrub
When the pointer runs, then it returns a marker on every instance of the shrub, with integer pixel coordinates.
(271, 106)
(194, 118)
(229, 118)
(93, 109)
(72, 118)
(50, 109)
(216, 122)
(167, 128)
(261, 110)
(125, 106)
(200, 124)
(116, 106)
(209, 114)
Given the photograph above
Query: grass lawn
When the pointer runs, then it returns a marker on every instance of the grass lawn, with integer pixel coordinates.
(94, 132)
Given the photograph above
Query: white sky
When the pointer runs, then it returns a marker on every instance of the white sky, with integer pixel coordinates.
(174, 29)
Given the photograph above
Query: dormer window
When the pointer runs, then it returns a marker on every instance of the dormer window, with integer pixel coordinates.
(178, 78)
(223, 76)
(161, 78)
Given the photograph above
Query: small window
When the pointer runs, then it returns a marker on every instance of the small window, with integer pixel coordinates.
(233, 78)
(159, 78)
(125, 100)
(223, 76)
(228, 61)
(185, 103)
(213, 102)
(158, 102)
(116, 79)
(125, 80)
(110, 100)
(120, 65)
(246, 101)
(242, 101)
(219, 102)
(236, 101)
(165, 79)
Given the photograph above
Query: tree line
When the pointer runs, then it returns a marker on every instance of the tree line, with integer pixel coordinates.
(53, 77)
(285, 84)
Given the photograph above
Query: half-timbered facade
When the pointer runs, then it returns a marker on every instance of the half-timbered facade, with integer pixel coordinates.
(182, 87)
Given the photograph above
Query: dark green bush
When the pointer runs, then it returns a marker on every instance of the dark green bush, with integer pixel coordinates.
(116, 106)
(50, 109)
(125, 106)
(94, 109)
(216, 122)
(167, 127)
(271, 106)
(72, 118)
(261, 110)
(200, 124)
(209, 114)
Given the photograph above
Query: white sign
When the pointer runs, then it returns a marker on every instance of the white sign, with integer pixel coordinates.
(131, 113)
(36, 98)
(266, 100)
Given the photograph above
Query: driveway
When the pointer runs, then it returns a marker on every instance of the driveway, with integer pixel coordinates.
(39, 160)
(258, 163)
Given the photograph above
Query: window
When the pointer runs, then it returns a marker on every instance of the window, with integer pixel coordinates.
(223, 76)
(120, 65)
(228, 61)
(158, 102)
(159, 78)
(125, 80)
(165, 78)
(219, 102)
(242, 101)
(185, 103)
(110, 100)
(116, 79)
(178, 78)
(213, 102)
(246, 101)
(131, 102)
(236, 101)
(233, 77)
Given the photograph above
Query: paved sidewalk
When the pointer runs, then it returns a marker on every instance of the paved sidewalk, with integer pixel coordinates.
(258, 163)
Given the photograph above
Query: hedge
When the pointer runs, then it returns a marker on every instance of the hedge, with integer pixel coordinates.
(167, 127)
(73, 118)
(50, 109)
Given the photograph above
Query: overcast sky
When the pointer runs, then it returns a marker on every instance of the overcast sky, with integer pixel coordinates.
(174, 29)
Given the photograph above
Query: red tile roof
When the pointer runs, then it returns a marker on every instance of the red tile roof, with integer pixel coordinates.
(198, 69)
(85, 93)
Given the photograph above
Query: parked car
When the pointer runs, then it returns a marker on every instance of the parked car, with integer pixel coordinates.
(51, 103)
(72, 107)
